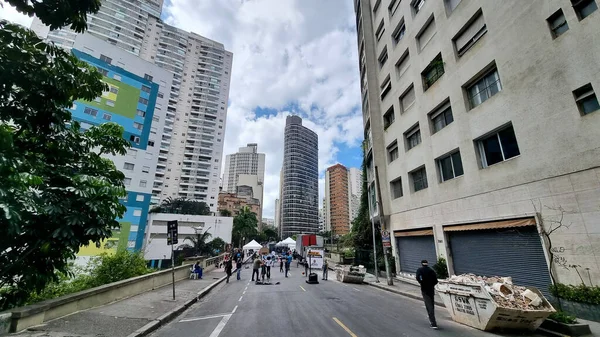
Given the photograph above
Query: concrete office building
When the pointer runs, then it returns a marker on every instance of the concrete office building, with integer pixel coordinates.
(337, 199)
(355, 184)
(268, 222)
(191, 141)
(132, 101)
(246, 167)
(300, 183)
(277, 217)
(482, 119)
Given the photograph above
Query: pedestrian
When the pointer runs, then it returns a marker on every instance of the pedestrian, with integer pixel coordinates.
(325, 269)
(288, 262)
(238, 266)
(256, 267)
(228, 268)
(281, 264)
(263, 271)
(269, 265)
(198, 270)
(428, 279)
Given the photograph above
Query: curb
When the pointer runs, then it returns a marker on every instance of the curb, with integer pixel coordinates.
(404, 293)
(169, 316)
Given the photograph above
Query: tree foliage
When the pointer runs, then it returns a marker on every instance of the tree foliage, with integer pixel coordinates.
(59, 13)
(225, 212)
(182, 206)
(245, 227)
(199, 243)
(57, 192)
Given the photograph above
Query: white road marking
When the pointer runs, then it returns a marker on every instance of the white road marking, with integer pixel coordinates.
(217, 331)
(234, 309)
(241, 298)
(355, 289)
(202, 318)
(246, 288)
(244, 293)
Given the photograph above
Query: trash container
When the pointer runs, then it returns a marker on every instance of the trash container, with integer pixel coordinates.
(473, 305)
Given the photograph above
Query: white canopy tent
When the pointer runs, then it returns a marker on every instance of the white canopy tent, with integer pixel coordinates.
(289, 242)
(252, 245)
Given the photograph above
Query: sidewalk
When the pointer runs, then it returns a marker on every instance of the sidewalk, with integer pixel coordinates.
(401, 287)
(134, 316)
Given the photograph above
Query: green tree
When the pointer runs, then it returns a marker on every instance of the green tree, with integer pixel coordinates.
(59, 13)
(270, 233)
(199, 243)
(182, 206)
(225, 212)
(244, 226)
(57, 192)
(217, 244)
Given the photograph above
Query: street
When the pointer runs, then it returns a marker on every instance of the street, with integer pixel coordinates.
(295, 308)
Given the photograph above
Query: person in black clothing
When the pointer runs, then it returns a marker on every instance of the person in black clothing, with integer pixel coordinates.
(228, 268)
(238, 266)
(428, 279)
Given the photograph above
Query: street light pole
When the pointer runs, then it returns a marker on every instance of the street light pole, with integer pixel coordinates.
(374, 242)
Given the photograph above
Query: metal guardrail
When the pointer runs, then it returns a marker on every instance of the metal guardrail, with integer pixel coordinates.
(213, 261)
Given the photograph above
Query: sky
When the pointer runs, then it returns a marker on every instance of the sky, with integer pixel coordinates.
(289, 57)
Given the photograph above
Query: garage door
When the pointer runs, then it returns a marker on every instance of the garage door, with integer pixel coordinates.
(515, 252)
(412, 249)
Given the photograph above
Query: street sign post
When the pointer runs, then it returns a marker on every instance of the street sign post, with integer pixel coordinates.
(172, 240)
(385, 238)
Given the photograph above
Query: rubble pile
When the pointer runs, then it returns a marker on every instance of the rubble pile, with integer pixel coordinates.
(503, 291)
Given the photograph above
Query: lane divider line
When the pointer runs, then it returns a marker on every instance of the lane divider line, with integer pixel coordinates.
(234, 309)
(202, 318)
(343, 327)
(241, 298)
(217, 331)
(302, 288)
(244, 293)
(355, 289)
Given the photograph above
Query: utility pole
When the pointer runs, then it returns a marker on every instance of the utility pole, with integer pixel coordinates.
(371, 209)
(172, 240)
(388, 270)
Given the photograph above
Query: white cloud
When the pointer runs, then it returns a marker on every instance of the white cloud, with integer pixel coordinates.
(297, 55)
(8, 12)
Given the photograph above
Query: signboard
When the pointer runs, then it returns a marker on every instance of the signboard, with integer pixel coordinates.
(385, 239)
(172, 232)
(315, 258)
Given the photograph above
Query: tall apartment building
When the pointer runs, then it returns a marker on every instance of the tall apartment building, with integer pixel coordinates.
(132, 101)
(337, 199)
(277, 214)
(300, 183)
(246, 167)
(191, 143)
(482, 120)
(355, 184)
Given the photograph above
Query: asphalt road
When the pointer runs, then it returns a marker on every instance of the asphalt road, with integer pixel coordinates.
(295, 308)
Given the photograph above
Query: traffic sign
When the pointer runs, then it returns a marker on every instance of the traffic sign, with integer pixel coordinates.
(385, 239)
(172, 232)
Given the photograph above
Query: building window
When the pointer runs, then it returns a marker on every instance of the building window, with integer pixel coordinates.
(441, 117)
(386, 86)
(485, 87)
(413, 137)
(113, 90)
(392, 151)
(148, 77)
(583, 8)
(586, 99)
(90, 111)
(399, 32)
(150, 143)
(128, 166)
(426, 33)
(376, 6)
(498, 147)
(417, 5)
(102, 71)
(383, 57)
(396, 188)
(403, 63)
(141, 113)
(145, 169)
(139, 197)
(419, 179)
(407, 99)
(451, 5)
(138, 125)
(134, 139)
(107, 117)
(106, 59)
(433, 72)
(110, 102)
(143, 183)
(450, 166)
(393, 7)
(388, 118)
(137, 212)
(380, 30)
(470, 33)
(127, 181)
(143, 100)
(117, 77)
(145, 89)
(557, 23)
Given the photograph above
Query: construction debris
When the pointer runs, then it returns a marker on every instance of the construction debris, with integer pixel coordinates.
(503, 291)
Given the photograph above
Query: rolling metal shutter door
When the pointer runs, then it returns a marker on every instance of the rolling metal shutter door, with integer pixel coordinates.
(413, 249)
(515, 252)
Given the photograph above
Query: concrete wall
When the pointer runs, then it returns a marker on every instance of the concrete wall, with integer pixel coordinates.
(559, 154)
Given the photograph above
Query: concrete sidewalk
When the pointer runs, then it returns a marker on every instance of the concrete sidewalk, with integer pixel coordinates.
(133, 316)
(401, 287)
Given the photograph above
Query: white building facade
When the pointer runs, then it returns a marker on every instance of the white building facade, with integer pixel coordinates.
(355, 182)
(482, 119)
(246, 161)
(191, 143)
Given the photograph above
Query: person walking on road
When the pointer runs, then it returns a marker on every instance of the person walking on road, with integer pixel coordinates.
(269, 265)
(428, 279)
(288, 261)
(255, 267)
(228, 268)
(325, 269)
(238, 266)
(281, 264)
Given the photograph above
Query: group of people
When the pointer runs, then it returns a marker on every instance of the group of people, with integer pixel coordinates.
(264, 263)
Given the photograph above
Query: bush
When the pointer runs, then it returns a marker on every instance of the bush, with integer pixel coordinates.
(120, 266)
(563, 317)
(441, 268)
(579, 293)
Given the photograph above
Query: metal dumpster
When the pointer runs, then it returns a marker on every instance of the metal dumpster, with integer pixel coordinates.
(472, 305)
(350, 274)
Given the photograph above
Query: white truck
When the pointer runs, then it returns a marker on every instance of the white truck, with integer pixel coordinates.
(303, 241)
